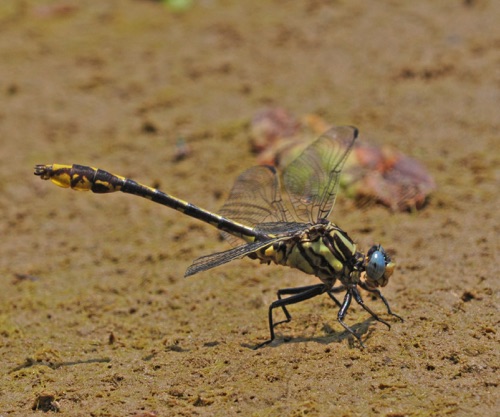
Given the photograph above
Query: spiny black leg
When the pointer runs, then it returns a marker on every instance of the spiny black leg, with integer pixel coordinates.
(340, 288)
(384, 300)
(292, 291)
(334, 299)
(359, 300)
(343, 311)
(307, 293)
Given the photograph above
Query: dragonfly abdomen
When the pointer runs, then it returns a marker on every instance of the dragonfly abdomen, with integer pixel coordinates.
(85, 178)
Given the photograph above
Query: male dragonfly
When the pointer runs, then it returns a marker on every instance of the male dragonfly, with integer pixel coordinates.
(290, 229)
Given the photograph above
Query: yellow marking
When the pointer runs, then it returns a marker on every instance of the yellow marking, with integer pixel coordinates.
(269, 252)
(276, 256)
(389, 269)
(246, 238)
(296, 260)
(56, 167)
(107, 184)
(321, 249)
(122, 178)
(83, 184)
(347, 243)
(62, 180)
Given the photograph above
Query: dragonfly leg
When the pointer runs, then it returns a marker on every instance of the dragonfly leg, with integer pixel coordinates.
(359, 300)
(340, 288)
(292, 291)
(342, 313)
(305, 294)
(384, 300)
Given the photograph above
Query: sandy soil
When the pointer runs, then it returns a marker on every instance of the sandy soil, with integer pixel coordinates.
(95, 316)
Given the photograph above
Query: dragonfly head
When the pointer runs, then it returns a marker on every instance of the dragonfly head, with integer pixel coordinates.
(378, 266)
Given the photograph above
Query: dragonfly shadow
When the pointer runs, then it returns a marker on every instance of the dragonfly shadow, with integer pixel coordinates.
(364, 328)
(55, 365)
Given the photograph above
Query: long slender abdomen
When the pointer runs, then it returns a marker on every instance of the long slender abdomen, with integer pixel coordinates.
(85, 178)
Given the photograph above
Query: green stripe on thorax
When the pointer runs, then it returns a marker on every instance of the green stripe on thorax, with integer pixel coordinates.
(323, 250)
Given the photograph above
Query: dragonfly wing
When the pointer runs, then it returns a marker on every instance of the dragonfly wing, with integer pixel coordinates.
(211, 261)
(280, 229)
(312, 180)
(255, 198)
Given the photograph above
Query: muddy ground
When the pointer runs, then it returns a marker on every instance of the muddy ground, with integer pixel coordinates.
(96, 318)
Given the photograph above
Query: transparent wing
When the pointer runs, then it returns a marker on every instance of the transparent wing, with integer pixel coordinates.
(211, 261)
(281, 229)
(312, 180)
(255, 198)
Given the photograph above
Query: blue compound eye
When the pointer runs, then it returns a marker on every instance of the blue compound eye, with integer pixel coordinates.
(376, 265)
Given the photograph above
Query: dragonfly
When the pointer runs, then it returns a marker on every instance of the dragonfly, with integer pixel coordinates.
(288, 228)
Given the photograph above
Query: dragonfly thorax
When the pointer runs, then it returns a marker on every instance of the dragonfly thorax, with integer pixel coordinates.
(322, 249)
